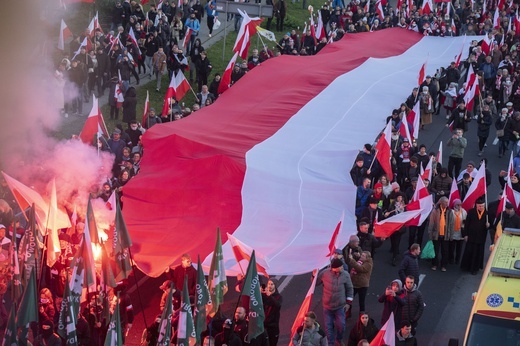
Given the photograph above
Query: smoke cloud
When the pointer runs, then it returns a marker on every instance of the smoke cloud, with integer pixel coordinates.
(30, 115)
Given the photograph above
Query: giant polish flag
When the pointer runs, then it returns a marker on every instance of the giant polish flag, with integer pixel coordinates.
(269, 166)
(94, 125)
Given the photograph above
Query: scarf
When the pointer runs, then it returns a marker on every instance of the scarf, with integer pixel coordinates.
(458, 217)
(479, 214)
(442, 221)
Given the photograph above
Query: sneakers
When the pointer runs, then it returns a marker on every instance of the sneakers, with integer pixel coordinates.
(443, 269)
(480, 153)
(433, 268)
(209, 35)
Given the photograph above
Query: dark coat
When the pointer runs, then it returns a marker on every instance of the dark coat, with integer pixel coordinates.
(272, 307)
(360, 332)
(130, 105)
(484, 122)
(409, 266)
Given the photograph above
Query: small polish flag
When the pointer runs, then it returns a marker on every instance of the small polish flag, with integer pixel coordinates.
(65, 34)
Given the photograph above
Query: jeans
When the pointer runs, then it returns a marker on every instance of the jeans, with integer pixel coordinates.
(335, 321)
(148, 63)
(502, 146)
(158, 75)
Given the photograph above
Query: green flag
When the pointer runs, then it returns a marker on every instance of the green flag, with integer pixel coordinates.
(121, 243)
(11, 335)
(165, 326)
(77, 279)
(186, 335)
(252, 300)
(203, 299)
(90, 222)
(114, 336)
(68, 316)
(28, 309)
(16, 288)
(107, 276)
(217, 280)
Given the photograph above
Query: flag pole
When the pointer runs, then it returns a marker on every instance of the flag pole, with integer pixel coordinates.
(137, 286)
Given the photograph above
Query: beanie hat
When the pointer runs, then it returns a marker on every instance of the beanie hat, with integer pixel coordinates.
(336, 263)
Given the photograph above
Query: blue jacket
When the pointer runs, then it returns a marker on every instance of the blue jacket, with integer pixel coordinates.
(193, 25)
(211, 12)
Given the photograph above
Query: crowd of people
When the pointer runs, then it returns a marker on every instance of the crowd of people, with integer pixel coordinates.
(111, 59)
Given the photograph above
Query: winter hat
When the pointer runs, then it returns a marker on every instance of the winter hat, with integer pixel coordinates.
(399, 283)
(338, 251)
(336, 263)
(378, 185)
(395, 185)
(457, 201)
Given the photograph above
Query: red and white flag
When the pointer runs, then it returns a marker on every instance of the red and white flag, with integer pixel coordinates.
(94, 125)
(385, 336)
(379, 9)
(243, 252)
(428, 171)
(187, 37)
(366, 9)
(65, 34)
(484, 9)
(427, 7)
(496, 19)
(404, 131)
(409, 6)
(454, 193)
(453, 26)
(421, 200)
(439, 154)
(226, 76)
(53, 240)
(501, 4)
(458, 58)
(334, 239)
(178, 87)
(476, 189)
(304, 308)
(414, 120)
(420, 190)
(512, 195)
(93, 25)
(422, 74)
(386, 227)
(85, 43)
(247, 30)
(487, 42)
(320, 29)
(131, 36)
(384, 153)
(146, 110)
(472, 89)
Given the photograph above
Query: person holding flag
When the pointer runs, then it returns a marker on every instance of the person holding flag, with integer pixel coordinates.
(310, 333)
(338, 293)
